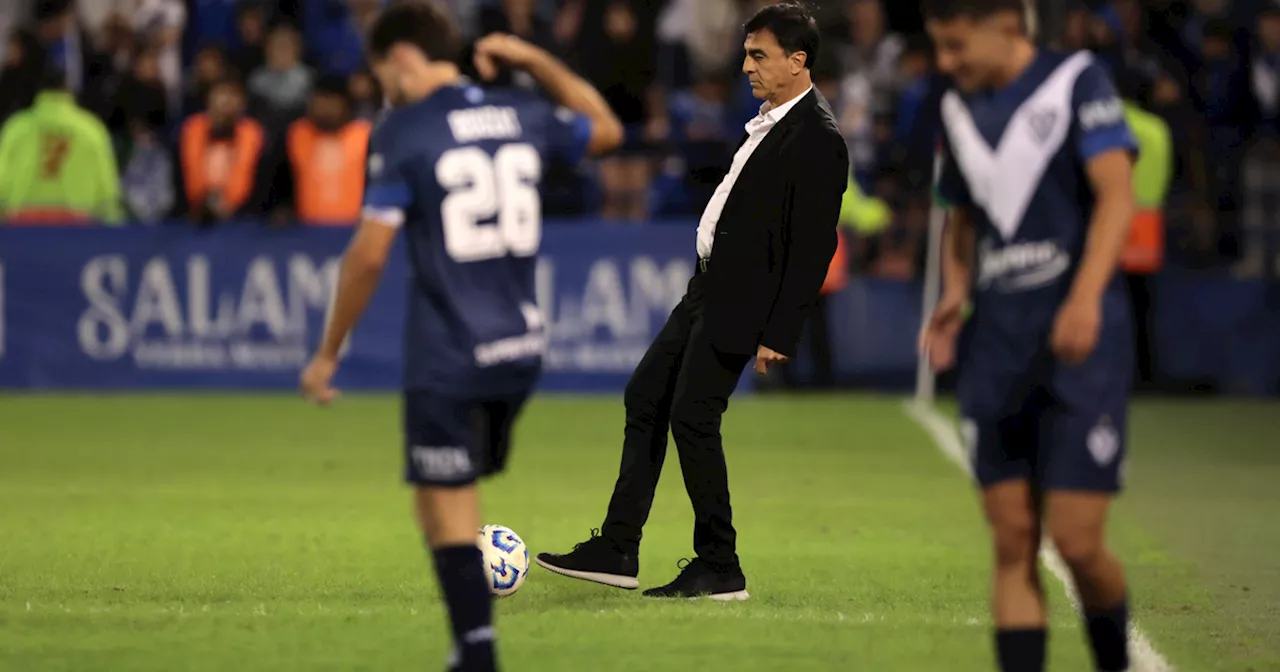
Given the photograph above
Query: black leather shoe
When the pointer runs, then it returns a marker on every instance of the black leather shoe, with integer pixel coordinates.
(700, 579)
(595, 559)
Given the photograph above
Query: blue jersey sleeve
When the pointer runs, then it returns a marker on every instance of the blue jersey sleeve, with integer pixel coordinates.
(386, 191)
(951, 187)
(568, 134)
(1100, 124)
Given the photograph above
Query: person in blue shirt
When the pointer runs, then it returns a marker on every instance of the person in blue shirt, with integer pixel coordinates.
(1037, 170)
(458, 168)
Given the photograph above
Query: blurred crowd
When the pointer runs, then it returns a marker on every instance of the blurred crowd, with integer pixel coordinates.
(211, 110)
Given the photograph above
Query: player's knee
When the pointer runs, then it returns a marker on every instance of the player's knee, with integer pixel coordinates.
(447, 515)
(1079, 547)
(1017, 539)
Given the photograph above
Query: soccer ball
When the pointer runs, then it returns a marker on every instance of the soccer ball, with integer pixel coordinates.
(506, 559)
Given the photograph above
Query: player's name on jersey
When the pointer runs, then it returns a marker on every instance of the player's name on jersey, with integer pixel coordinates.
(485, 123)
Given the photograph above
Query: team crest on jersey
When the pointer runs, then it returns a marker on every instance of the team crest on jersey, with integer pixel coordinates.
(1041, 123)
(1103, 442)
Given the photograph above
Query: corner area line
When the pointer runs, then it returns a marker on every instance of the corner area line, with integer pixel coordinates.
(1143, 657)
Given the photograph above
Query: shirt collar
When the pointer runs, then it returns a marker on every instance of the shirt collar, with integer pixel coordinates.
(777, 113)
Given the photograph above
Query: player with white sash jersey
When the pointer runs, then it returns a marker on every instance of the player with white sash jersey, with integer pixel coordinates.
(1036, 166)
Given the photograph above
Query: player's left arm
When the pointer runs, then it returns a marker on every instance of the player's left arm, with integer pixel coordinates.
(1107, 148)
(808, 239)
(1111, 176)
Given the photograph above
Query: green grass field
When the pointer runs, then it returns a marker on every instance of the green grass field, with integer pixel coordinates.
(250, 533)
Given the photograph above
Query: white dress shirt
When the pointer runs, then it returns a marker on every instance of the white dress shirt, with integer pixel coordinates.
(757, 129)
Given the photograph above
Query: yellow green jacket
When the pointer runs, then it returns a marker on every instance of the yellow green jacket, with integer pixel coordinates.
(57, 161)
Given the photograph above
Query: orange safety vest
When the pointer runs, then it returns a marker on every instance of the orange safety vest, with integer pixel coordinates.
(838, 270)
(1143, 253)
(328, 171)
(228, 167)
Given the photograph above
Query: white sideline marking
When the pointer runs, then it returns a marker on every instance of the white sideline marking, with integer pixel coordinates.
(1143, 657)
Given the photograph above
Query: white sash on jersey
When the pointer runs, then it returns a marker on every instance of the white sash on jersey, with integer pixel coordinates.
(1004, 180)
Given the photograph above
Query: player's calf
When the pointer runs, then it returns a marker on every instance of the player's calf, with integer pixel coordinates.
(1018, 600)
(1077, 524)
(449, 518)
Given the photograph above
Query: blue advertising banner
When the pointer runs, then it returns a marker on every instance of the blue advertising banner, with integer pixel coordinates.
(242, 307)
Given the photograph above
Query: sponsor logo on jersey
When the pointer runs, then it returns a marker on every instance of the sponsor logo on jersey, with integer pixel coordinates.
(1099, 113)
(1020, 267)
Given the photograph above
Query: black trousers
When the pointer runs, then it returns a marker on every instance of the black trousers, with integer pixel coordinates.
(683, 383)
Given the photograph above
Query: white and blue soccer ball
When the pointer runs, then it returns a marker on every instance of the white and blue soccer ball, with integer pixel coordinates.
(506, 559)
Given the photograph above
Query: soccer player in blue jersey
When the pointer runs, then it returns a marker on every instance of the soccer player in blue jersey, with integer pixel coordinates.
(1037, 166)
(458, 169)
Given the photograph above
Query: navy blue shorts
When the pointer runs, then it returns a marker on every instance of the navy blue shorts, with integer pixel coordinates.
(451, 441)
(1054, 444)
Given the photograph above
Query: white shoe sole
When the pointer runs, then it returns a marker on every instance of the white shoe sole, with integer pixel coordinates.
(736, 596)
(614, 580)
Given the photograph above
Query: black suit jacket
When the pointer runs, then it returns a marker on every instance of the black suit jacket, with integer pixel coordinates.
(777, 233)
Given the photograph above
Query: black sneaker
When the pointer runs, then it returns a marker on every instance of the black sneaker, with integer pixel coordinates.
(699, 579)
(595, 559)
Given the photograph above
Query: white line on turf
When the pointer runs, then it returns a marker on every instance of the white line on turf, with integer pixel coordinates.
(1143, 657)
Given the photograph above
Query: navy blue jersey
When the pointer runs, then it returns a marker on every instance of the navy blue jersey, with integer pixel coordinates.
(460, 171)
(1016, 159)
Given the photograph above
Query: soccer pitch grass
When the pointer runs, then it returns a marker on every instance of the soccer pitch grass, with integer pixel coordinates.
(209, 532)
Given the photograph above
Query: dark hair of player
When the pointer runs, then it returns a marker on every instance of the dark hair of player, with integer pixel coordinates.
(946, 10)
(424, 24)
(792, 25)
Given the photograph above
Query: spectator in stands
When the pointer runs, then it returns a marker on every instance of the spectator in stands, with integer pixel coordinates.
(870, 87)
(366, 99)
(335, 32)
(158, 25)
(283, 83)
(117, 43)
(327, 151)
(518, 17)
(220, 150)
(141, 93)
(70, 49)
(209, 67)
(1223, 87)
(614, 51)
(1075, 28)
(699, 125)
(56, 162)
(20, 78)
(1266, 66)
(146, 170)
(251, 26)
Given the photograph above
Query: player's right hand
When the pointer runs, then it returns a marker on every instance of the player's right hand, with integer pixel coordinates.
(497, 49)
(939, 333)
(315, 383)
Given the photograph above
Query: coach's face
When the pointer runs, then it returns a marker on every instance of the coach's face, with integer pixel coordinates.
(768, 67)
(970, 51)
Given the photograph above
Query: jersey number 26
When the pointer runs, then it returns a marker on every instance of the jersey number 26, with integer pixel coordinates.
(481, 188)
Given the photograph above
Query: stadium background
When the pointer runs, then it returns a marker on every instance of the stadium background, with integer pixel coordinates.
(157, 530)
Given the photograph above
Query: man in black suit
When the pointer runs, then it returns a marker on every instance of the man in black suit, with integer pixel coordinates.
(763, 244)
